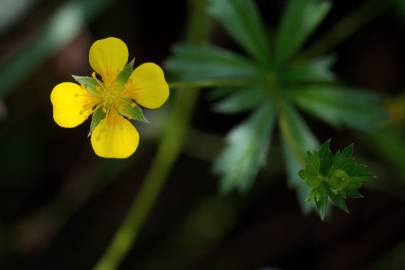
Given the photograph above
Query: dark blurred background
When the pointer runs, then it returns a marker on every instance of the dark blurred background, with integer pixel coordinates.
(60, 204)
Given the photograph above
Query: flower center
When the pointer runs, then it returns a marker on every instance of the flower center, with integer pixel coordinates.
(111, 96)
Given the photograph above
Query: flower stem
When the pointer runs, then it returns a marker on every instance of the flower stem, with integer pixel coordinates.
(346, 27)
(170, 146)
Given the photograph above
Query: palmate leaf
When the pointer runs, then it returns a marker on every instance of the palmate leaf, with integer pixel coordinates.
(325, 158)
(242, 20)
(209, 62)
(297, 138)
(246, 150)
(243, 156)
(242, 99)
(299, 20)
(338, 105)
(314, 70)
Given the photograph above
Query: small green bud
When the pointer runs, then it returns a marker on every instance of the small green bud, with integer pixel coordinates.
(332, 178)
(338, 180)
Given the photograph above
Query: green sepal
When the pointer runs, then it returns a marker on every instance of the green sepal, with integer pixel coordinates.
(322, 201)
(337, 200)
(92, 85)
(311, 174)
(132, 111)
(98, 115)
(126, 72)
(326, 158)
(353, 192)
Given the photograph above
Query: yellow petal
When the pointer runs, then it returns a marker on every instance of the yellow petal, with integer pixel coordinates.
(114, 137)
(108, 57)
(72, 104)
(147, 86)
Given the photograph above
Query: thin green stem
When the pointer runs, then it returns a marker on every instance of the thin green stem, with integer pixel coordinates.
(346, 27)
(208, 84)
(171, 143)
(167, 154)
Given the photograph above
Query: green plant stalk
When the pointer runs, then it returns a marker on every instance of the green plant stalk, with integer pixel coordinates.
(169, 149)
(346, 27)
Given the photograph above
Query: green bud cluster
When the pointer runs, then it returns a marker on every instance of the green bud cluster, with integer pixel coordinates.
(333, 178)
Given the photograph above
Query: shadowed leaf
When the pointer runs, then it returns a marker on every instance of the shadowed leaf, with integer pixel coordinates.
(241, 100)
(315, 70)
(208, 62)
(246, 150)
(242, 20)
(300, 19)
(340, 105)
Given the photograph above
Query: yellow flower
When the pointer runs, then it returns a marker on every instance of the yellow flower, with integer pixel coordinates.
(112, 100)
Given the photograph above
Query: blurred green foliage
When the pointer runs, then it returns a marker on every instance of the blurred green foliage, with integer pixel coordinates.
(240, 162)
(298, 22)
(272, 76)
(64, 25)
(242, 20)
(341, 106)
(12, 12)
